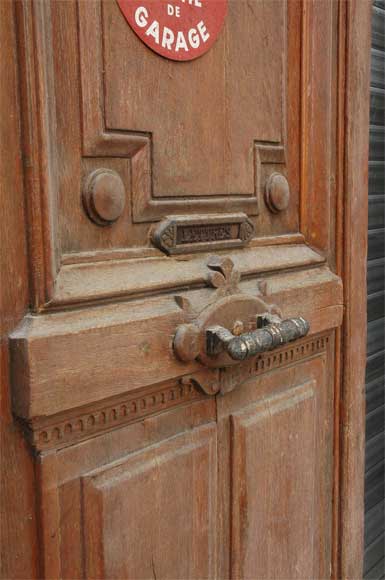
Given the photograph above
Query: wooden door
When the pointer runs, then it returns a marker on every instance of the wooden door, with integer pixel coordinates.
(165, 199)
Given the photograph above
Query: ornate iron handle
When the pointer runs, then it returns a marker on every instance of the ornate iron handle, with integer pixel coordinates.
(213, 336)
(273, 332)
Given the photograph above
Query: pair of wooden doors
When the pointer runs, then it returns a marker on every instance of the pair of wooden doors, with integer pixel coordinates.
(163, 200)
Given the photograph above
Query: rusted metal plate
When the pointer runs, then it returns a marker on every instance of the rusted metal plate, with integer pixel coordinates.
(197, 233)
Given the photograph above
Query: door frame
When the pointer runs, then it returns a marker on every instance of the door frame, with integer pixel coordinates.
(352, 215)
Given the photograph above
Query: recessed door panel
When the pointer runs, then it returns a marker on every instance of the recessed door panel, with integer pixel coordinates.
(274, 507)
(208, 112)
(276, 434)
(153, 514)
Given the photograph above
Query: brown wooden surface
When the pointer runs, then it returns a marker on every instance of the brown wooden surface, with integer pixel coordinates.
(160, 475)
(18, 540)
(358, 18)
(217, 158)
(266, 406)
(146, 497)
(53, 354)
(49, 50)
(283, 432)
(130, 462)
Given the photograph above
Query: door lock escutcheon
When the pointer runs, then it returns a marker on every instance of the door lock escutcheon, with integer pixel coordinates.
(234, 326)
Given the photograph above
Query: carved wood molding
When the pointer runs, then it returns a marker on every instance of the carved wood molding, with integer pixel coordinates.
(38, 125)
(90, 280)
(68, 428)
(71, 427)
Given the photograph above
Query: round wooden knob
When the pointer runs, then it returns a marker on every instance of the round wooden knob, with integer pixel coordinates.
(277, 193)
(186, 342)
(104, 196)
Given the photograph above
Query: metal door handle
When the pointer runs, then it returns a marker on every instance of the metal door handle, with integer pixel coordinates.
(213, 335)
(274, 333)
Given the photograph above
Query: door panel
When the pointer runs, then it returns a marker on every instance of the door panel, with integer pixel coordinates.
(219, 142)
(154, 513)
(209, 146)
(166, 162)
(215, 134)
(276, 435)
(183, 496)
(274, 508)
(135, 501)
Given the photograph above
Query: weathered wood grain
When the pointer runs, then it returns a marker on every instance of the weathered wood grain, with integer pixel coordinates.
(18, 525)
(114, 349)
(124, 437)
(354, 243)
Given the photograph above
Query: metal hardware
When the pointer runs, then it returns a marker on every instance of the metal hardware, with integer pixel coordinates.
(233, 326)
(202, 233)
(274, 334)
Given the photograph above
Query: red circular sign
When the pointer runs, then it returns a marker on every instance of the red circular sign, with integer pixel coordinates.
(176, 29)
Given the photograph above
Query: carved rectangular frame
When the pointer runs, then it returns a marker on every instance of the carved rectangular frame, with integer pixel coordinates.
(51, 271)
(98, 141)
